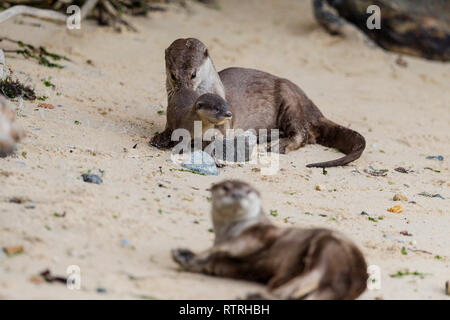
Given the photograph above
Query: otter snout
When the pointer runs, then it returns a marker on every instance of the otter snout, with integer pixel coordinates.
(228, 114)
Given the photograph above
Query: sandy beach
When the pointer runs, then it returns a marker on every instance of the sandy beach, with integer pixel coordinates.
(120, 232)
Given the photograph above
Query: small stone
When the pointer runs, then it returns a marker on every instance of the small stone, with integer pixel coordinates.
(13, 250)
(319, 188)
(101, 290)
(400, 197)
(92, 178)
(440, 158)
(401, 170)
(396, 209)
(202, 163)
(363, 213)
(36, 279)
(405, 233)
(46, 106)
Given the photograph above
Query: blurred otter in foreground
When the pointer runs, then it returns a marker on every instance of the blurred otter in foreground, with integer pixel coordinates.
(10, 133)
(295, 263)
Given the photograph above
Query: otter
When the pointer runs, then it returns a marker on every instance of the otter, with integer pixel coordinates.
(186, 106)
(10, 132)
(295, 263)
(260, 100)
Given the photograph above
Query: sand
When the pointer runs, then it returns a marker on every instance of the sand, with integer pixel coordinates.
(120, 232)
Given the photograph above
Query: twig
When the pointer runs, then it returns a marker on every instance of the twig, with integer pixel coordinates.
(39, 13)
(44, 13)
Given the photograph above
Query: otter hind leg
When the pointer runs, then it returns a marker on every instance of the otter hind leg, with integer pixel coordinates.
(299, 287)
(286, 145)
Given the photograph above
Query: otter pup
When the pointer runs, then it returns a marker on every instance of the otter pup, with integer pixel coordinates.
(186, 106)
(260, 100)
(10, 133)
(295, 263)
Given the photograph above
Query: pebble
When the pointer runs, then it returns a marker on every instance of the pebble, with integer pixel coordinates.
(319, 188)
(46, 106)
(92, 178)
(101, 290)
(13, 250)
(440, 158)
(396, 209)
(202, 163)
(400, 197)
(427, 194)
(363, 213)
(401, 170)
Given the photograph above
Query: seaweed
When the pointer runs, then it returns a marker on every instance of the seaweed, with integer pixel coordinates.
(14, 88)
(41, 54)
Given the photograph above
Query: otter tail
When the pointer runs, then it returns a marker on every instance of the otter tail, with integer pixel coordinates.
(330, 134)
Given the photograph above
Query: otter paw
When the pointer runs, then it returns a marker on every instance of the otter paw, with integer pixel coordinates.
(162, 140)
(182, 256)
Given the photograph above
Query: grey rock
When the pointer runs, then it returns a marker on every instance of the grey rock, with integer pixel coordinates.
(202, 163)
(92, 178)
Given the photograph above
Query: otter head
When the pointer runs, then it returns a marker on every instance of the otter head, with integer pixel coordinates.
(234, 201)
(10, 133)
(211, 108)
(188, 65)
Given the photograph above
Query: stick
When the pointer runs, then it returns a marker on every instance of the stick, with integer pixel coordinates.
(43, 13)
(40, 13)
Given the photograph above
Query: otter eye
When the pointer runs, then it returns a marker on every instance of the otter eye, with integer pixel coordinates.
(194, 75)
(173, 77)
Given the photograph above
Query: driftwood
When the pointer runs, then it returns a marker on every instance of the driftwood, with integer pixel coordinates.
(107, 12)
(44, 13)
(415, 27)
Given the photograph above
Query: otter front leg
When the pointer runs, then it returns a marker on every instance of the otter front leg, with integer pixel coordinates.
(163, 140)
(189, 261)
(212, 261)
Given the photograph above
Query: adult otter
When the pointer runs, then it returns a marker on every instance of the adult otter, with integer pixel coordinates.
(294, 263)
(186, 106)
(10, 133)
(260, 100)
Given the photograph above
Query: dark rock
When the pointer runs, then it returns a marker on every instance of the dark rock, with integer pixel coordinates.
(92, 178)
